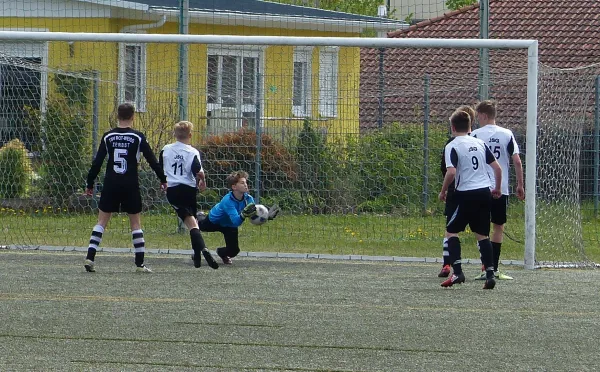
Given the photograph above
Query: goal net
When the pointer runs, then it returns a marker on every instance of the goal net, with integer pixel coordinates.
(345, 135)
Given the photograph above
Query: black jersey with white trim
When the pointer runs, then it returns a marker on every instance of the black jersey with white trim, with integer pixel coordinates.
(123, 147)
(469, 156)
(181, 163)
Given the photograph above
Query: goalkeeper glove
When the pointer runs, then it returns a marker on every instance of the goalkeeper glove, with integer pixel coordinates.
(249, 210)
(273, 212)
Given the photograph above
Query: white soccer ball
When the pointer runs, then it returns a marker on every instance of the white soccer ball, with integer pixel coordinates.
(262, 215)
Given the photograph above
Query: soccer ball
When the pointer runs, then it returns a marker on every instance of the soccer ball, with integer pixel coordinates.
(262, 215)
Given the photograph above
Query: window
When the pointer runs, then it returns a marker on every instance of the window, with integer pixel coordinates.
(232, 88)
(132, 75)
(23, 86)
(328, 82)
(302, 82)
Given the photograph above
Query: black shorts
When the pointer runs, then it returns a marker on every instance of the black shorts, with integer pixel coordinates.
(183, 199)
(498, 210)
(450, 206)
(473, 210)
(117, 198)
(449, 209)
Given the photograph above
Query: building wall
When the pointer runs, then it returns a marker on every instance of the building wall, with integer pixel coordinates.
(420, 9)
(162, 74)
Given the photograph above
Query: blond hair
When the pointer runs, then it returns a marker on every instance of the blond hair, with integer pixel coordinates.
(469, 110)
(182, 130)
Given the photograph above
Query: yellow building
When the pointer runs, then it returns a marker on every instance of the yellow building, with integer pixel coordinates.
(227, 86)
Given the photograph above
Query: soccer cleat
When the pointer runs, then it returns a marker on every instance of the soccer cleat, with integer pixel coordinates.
(89, 266)
(197, 260)
(501, 276)
(444, 272)
(489, 284)
(454, 279)
(226, 259)
(143, 269)
(482, 276)
(210, 260)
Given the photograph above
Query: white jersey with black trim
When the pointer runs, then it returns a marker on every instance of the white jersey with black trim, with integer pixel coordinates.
(181, 163)
(503, 145)
(469, 156)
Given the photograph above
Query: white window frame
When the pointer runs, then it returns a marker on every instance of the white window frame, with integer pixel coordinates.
(33, 50)
(328, 81)
(140, 102)
(303, 55)
(257, 52)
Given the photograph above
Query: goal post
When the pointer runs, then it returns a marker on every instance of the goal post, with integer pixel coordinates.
(495, 44)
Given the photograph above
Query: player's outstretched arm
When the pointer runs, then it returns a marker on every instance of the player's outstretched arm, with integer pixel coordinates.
(519, 174)
(151, 159)
(95, 168)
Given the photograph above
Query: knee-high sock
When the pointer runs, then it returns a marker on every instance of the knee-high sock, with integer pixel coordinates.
(454, 251)
(95, 240)
(445, 253)
(485, 251)
(496, 248)
(197, 241)
(139, 246)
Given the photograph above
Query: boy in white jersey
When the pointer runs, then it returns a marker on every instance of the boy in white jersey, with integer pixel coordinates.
(466, 158)
(450, 202)
(501, 142)
(183, 168)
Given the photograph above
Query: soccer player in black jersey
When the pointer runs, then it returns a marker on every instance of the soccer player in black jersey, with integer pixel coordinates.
(121, 189)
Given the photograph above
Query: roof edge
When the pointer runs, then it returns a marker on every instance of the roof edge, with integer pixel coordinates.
(133, 5)
(298, 22)
(434, 20)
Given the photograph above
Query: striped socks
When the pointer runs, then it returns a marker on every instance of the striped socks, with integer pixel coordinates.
(95, 240)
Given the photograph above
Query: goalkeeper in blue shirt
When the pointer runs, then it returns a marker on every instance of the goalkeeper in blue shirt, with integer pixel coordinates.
(230, 213)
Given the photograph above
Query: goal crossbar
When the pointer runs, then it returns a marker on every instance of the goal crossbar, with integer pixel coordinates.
(532, 77)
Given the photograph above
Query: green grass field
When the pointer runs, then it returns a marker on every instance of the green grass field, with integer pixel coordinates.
(334, 234)
(288, 315)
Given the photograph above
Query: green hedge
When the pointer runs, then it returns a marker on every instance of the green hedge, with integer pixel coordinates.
(15, 168)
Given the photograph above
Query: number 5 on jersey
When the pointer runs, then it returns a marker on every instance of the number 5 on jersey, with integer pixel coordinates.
(120, 161)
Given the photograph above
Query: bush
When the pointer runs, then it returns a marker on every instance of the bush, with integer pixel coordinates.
(318, 170)
(15, 167)
(64, 157)
(64, 128)
(234, 151)
(385, 168)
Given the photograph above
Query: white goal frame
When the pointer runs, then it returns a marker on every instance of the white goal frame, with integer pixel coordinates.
(532, 78)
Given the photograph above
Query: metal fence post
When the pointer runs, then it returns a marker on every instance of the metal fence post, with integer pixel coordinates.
(381, 88)
(258, 125)
(426, 144)
(596, 144)
(95, 116)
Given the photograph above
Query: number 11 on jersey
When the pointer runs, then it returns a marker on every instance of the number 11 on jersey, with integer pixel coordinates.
(175, 166)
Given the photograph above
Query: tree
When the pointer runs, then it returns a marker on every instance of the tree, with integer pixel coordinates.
(362, 7)
(457, 4)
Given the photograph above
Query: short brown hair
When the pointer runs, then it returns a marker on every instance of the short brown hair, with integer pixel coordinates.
(125, 111)
(487, 107)
(183, 129)
(469, 110)
(234, 177)
(461, 121)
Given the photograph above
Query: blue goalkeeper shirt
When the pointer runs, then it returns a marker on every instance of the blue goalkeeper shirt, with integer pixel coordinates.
(227, 212)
